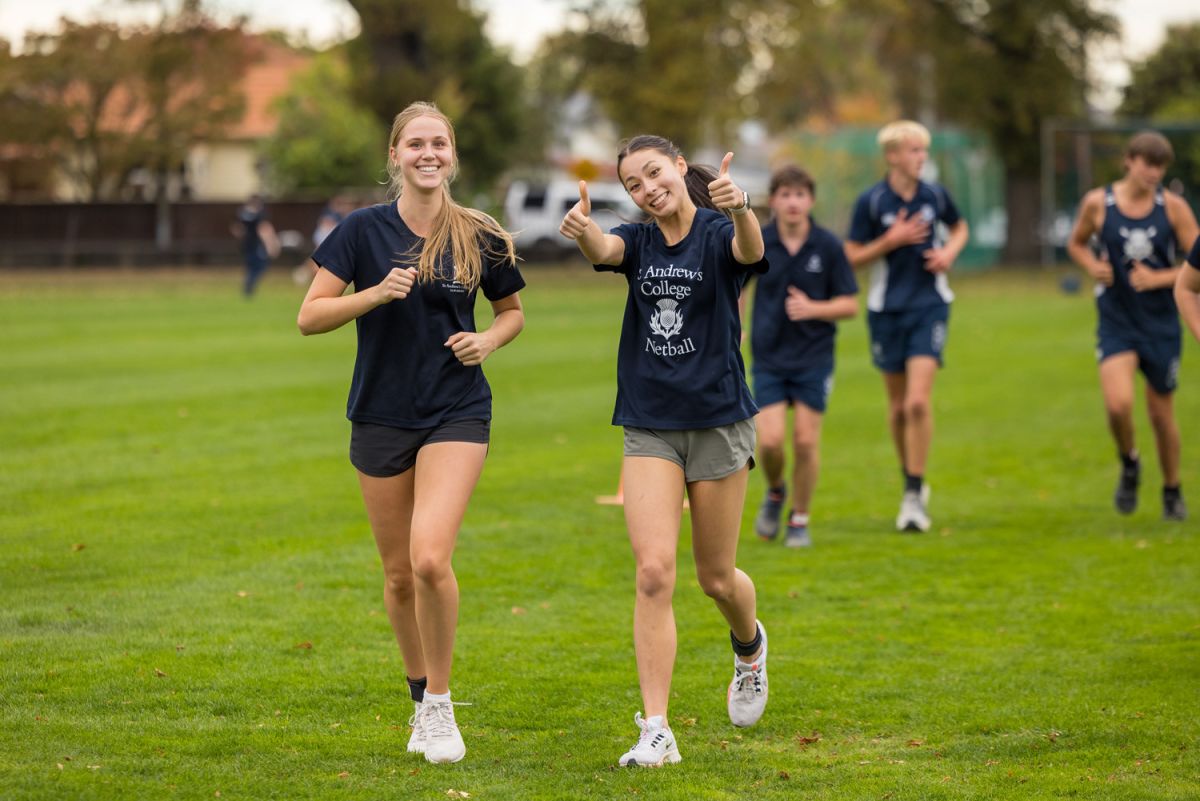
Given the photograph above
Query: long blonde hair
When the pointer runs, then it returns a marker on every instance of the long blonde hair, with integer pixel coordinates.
(470, 234)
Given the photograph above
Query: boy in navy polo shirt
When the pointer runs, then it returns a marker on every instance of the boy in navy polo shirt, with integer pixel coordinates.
(1187, 290)
(1140, 228)
(810, 285)
(896, 227)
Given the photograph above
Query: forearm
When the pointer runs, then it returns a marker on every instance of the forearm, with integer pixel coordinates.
(505, 327)
(1187, 298)
(860, 253)
(839, 308)
(748, 246)
(597, 247)
(320, 315)
(1081, 254)
(959, 235)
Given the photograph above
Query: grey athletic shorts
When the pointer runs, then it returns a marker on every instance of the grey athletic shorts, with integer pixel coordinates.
(705, 454)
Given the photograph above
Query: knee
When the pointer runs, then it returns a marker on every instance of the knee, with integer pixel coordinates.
(805, 445)
(916, 409)
(655, 579)
(431, 568)
(398, 582)
(1121, 408)
(770, 440)
(717, 585)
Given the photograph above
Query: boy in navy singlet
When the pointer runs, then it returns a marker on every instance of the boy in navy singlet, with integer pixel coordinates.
(796, 305)
(895, 226)
(1140, 229)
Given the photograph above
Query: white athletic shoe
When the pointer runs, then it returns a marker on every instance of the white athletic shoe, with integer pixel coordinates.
(747, 695)
(913, 515)
(655, 746)
(416, 741)
(443, 743)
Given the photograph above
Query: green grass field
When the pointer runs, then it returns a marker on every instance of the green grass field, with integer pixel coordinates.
(190, 600)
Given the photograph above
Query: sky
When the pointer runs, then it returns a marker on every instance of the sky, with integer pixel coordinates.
(520, 24)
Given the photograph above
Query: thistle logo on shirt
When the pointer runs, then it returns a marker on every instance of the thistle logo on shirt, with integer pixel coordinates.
(1139, 244)
(668, 320)
(814, 264)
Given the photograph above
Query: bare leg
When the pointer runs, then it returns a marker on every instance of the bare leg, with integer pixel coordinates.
(918, 412)
(653, 508)
(1116, 384)
(806, 442)
(716, 517)
(389, 503)
(445, 477)
(1166, 433)
(895, 384)
(771, 426)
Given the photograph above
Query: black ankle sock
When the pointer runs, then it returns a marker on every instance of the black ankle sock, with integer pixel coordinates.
(746, 648)
(912, 483)
(416, 688)
(1129, 460)
(777, 493)
(1170, 493)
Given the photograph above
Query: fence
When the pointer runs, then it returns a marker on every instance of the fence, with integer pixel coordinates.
(123, 234)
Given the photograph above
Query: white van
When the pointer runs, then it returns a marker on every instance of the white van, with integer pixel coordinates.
(533, 213)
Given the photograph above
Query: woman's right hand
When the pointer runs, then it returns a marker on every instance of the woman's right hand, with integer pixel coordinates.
(395, 285)
(579, 217)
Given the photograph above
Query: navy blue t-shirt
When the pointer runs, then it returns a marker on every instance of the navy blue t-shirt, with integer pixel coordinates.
(404, 375)
(679, 364)
(1150, 240)
(1194, 256)
(820, 270)
(250, 219)
(901, 282)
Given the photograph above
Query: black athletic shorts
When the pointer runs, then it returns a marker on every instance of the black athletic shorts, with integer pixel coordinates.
(386, 451)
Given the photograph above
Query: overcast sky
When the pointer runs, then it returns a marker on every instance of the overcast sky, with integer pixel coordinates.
(521, 23)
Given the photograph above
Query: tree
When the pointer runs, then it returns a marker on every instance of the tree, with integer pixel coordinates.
(436, 50)
(1165, 86)
(62, 99)
(324, 141)
(1002, 67)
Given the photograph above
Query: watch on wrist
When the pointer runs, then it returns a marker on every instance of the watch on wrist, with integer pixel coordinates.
(742, 209)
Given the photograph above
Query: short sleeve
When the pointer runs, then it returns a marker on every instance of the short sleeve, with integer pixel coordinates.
(630, 234)
(337, 252)
(862, 230)
(1194, 257)
(949, 212)
(500, 279)
(841, 276)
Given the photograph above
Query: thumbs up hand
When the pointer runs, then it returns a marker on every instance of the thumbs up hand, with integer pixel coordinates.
(579, 217)
(724, 192)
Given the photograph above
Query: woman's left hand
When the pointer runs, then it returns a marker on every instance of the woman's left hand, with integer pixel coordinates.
(470, 349)
(724, 192)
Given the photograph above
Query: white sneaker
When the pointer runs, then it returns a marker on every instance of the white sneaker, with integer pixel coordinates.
(416, 741)
(655, 747)
(443, 743)
(747, 695)
(913, 516)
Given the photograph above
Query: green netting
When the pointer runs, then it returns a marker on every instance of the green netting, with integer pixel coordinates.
(847, 161)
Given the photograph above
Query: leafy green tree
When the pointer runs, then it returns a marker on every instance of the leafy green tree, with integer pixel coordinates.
(998, 66)
(64, 99)
(436, 50)
(1165, 86)
(324, 140)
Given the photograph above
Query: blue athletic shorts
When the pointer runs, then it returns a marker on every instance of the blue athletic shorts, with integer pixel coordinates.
(811, 388)
(898, 336)
(1158, 359)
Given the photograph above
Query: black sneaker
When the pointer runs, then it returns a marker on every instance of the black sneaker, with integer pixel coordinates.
(1173, 507)
(1125, 497)
(766, 524)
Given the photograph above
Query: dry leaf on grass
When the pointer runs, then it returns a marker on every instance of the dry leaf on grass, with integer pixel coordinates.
(452, 793)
